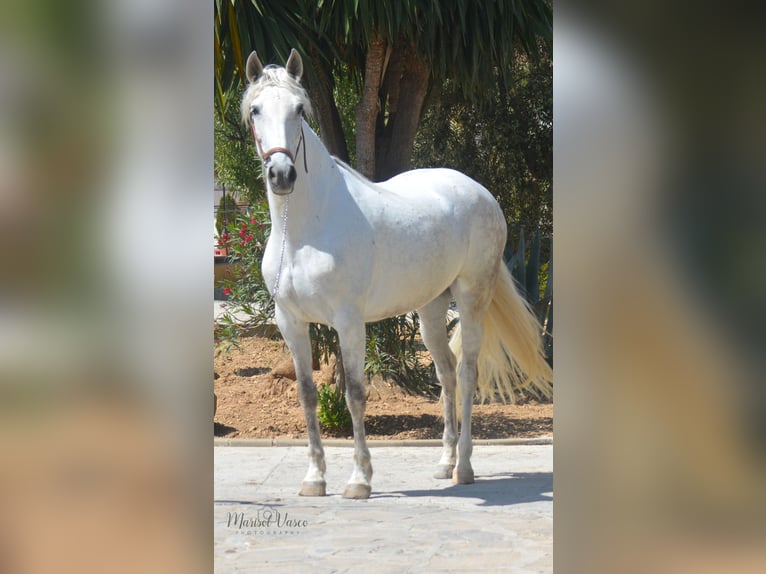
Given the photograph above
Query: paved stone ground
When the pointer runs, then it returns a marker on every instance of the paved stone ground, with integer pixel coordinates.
(411, 523)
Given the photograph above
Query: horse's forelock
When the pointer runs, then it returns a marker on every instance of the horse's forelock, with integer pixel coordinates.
(273, 76)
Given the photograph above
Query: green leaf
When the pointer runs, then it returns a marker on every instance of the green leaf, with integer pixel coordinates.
(533, 270)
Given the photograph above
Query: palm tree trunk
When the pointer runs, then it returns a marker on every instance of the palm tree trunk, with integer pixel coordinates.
(326, 112)
(405, 109)
(369, 106)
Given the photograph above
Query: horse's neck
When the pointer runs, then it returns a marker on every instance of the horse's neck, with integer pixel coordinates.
(318, 177)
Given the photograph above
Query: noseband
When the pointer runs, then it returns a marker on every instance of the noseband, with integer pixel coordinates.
(265, 156)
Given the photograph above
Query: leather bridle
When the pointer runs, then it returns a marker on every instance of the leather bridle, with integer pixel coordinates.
(265, 156)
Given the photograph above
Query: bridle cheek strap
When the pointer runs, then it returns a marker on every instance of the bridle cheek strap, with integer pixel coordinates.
(267, 154)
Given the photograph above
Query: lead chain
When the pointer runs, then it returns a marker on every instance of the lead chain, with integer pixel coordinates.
(275, 291)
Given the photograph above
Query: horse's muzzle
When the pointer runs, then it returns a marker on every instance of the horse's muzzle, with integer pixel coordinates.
(281, 178)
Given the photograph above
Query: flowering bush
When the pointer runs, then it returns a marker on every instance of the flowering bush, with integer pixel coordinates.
(244, 238)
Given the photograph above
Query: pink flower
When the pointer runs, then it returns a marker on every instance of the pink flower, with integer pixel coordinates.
(226, 291)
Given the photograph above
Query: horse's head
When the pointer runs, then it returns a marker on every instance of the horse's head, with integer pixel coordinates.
(273, 106)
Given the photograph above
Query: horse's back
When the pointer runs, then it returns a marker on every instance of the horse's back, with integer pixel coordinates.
(463, 208)
(431, 226)
(444, 182)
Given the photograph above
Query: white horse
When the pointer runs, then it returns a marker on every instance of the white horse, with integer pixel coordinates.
(344, 251)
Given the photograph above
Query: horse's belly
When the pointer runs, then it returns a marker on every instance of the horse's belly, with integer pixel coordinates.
(376, 287)
(405, 281)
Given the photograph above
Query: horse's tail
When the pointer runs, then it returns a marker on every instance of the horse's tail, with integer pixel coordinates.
(511, 358)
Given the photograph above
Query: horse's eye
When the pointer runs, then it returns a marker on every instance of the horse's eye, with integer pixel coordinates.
(300, 109)
(254, 111)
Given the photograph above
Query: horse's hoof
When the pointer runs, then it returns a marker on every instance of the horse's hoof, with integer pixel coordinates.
(462, 476)
(357, 491)
(313, 489)
(444, 471)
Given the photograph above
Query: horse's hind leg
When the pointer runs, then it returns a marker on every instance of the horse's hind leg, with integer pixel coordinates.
(351, 335)
(472, 304)
(296, 335)
(434, 334)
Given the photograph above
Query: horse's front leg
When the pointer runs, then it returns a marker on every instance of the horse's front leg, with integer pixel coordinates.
(296, 335)
(351, 335)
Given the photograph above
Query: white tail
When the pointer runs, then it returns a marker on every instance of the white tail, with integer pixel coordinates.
(512, 358)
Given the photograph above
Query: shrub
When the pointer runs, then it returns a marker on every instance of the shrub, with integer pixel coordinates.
(333, 412)
(392, 354)
(226, 213)
(245, 240)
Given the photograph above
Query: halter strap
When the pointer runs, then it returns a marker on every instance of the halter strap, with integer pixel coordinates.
(265, 156)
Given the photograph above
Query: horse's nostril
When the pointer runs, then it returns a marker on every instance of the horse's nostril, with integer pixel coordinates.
(271, 173)
(291, 175)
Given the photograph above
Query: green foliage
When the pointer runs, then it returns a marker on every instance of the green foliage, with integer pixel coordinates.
(392, 353)
(464, 40)
(333, 412)
(504, 141)
(236, 164)
(324, 342)
(245, 238)
(346, 94)
(530, 274)
(225, 214)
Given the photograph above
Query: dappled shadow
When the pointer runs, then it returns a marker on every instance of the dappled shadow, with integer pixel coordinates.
(424, 426)
(493, 490)
(499, 425)
(483, 426)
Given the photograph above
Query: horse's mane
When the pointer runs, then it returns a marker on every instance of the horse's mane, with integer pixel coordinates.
(273, 76)
(358, 175)
(352, 171)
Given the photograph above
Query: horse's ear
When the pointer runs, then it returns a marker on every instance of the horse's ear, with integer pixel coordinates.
(254, 68)
(294, 65)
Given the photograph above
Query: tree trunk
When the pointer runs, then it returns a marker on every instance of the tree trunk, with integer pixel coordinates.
(325, 110)
(405, 109)
(390, 94)
(369, 106)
